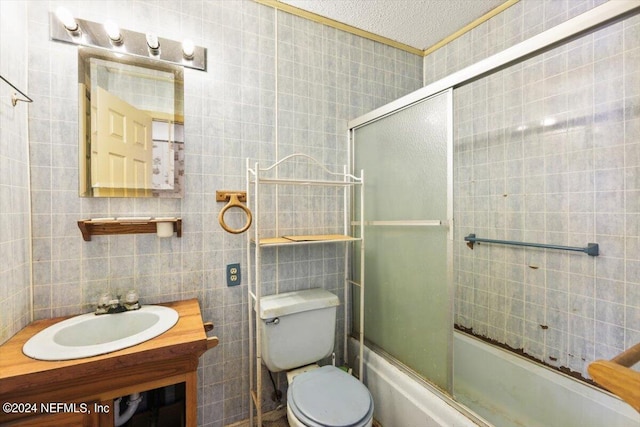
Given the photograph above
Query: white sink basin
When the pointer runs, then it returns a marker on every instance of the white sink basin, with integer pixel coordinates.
(90, 335)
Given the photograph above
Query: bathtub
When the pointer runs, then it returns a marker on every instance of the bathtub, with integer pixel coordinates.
(492, 387)
(509, 390)
(402, 401)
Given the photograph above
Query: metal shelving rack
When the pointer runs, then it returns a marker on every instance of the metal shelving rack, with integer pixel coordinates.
(256, 243)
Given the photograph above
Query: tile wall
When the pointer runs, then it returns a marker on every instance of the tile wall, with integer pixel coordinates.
(15, 274)
(548, 151)
(519, 22)
(248, 104)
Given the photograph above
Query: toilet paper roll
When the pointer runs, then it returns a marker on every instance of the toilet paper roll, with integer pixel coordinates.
(164, 229)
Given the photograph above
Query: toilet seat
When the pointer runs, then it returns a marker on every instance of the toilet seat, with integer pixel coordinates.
(329, 397)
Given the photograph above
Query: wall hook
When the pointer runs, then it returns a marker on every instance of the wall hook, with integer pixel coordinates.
(14, 97)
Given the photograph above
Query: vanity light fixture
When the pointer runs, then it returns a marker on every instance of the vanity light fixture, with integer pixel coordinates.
(153, 43)
(113, 31)
(188, 48)
(64, 27)
(69, 22)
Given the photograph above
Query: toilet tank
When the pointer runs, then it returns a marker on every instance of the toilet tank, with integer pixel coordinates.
(297, 328)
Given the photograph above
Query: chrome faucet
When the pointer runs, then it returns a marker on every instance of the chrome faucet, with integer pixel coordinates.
(106, 305)
(110, 306)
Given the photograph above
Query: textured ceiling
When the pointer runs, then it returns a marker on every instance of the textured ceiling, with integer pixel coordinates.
(417, 23)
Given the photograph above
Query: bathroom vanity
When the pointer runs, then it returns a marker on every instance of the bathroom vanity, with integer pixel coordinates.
(81, 392)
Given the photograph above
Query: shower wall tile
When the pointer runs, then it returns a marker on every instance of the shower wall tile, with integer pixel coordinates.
(276, 85)
(14, 182)
(545, 151)
(519, 22)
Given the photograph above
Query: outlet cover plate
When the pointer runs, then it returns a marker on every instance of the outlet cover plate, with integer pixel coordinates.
(233, 274)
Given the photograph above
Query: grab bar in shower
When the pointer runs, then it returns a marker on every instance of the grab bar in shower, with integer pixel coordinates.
(592, 249)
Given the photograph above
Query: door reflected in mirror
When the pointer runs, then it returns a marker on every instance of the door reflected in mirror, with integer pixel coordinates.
(131, 126)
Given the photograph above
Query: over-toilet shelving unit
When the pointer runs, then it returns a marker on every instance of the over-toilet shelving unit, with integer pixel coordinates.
(257, 178)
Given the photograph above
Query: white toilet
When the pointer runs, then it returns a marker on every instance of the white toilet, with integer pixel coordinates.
(298, 330)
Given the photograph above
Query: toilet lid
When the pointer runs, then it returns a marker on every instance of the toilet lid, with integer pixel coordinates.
(329, 397)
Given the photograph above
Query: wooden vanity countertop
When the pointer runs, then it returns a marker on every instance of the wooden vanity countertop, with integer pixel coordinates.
(22, 376)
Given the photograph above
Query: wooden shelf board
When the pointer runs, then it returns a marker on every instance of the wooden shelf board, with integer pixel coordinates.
(305, 239)
(90, 227)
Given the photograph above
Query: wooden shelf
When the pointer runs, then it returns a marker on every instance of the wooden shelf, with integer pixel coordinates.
(97, 227)
(305, 239)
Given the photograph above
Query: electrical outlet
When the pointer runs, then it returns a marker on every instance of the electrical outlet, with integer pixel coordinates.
(233, 274)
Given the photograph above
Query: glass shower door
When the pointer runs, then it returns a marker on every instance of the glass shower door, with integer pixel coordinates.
(406, 158)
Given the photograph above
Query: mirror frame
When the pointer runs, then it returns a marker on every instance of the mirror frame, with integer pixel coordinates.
(85, 188)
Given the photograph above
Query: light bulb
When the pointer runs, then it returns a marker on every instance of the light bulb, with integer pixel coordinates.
(153, 43)
(548, 121)
(188, 48)
(113, 31)
(67, 19)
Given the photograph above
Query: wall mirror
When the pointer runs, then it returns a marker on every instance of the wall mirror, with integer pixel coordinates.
(131, 126)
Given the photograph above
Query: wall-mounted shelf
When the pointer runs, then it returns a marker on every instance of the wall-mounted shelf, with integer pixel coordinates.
(99, 227)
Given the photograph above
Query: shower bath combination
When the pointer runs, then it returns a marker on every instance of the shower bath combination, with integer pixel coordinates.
(510, 172)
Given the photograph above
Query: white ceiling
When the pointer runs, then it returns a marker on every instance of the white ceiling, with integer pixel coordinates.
(417, 23)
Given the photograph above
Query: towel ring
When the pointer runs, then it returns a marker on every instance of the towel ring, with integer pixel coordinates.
(234, 202)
